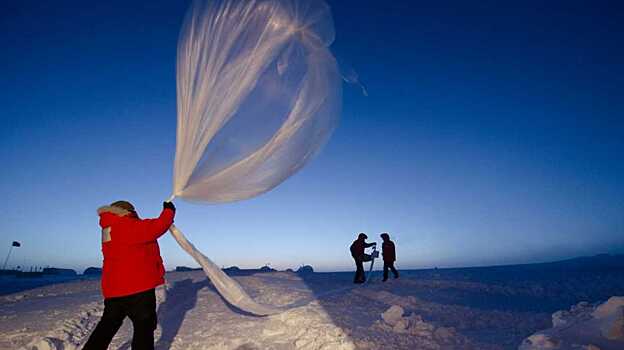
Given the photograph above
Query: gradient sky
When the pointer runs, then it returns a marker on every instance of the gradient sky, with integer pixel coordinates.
(490, 135)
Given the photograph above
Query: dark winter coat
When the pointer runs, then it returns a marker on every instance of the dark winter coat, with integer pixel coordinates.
(387, 249)
(132, 261)
(357, 248)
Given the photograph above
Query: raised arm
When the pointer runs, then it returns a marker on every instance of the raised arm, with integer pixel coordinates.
(151, 229)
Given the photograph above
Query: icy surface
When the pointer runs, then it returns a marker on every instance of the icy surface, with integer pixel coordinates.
(432, 309)
(583, 327)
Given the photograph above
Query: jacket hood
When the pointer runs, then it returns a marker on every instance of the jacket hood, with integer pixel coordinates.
(110, 215)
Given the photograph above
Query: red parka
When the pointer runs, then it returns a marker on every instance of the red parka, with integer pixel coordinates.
(132, 261)
(387, 249)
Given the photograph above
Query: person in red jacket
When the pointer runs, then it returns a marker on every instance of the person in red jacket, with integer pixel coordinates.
(389, 256)
(131, 271)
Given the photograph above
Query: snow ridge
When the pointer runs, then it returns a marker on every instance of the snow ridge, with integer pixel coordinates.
(584, 326)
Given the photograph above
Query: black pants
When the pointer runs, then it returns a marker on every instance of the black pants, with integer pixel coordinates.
(359, 271)
(140, 308)
(390, 265)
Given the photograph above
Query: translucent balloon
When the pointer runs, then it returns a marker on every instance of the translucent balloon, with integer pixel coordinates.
(259, 93)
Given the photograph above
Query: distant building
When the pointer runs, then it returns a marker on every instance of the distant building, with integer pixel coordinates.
(93, 271)
(305, 269)
(57, 271)
(267, 268)
(186, 268)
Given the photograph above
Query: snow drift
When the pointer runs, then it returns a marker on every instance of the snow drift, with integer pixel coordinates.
(584, 327)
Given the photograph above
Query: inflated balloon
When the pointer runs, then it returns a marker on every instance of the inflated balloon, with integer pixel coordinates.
(259, 93)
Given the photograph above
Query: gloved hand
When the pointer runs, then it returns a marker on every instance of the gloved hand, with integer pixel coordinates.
(169, 205)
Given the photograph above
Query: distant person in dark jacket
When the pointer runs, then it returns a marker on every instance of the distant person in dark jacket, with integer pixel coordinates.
(357, 252)
(389, 256)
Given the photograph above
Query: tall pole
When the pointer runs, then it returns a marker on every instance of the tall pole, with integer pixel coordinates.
(7, 258)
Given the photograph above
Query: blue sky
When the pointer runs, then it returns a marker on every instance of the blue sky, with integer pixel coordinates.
(490, 135)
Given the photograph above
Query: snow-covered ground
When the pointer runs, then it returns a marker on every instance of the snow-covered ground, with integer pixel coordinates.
(584, 326)
(434, 309)
(12, 284)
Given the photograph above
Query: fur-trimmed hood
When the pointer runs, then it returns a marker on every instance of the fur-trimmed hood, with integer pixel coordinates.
(117, 211)
(110, 215)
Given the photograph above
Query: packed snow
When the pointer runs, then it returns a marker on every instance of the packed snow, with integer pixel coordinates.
(584, 326)
(427, 309)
